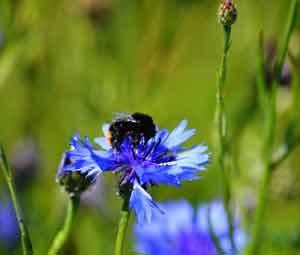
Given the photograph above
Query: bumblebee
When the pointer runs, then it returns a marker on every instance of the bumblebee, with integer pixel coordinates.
(135, 126)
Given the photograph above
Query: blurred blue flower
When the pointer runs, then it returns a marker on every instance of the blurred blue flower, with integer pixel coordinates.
(182, 231)
(9, 230)
(159, 160)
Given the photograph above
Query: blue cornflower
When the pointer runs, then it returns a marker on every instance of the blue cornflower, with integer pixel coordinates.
(9, 230)
(158, 160)
(78, 168)
(182, 231)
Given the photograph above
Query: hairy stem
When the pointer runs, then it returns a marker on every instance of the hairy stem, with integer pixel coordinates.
(62, 236)
(222, 132)
(123, 223)
(25, 238)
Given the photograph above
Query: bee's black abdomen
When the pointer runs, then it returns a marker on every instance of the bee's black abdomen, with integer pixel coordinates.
(135, 126)
(145, 125)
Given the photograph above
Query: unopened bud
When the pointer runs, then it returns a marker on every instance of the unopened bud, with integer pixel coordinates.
(74, 183)
(227, 13)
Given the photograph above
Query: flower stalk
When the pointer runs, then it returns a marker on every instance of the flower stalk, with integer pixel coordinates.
(25, 238)
(62, 236)
(227, 16)
(123, 223)
(270, 127)
(223, 133)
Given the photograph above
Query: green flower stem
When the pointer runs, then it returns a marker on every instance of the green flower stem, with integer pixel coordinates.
(291, 20)
(260, 212)
(270, 116)
(296, 88)
(222, 131)
(123, 223)
(25, 238)
(261, 79)
(62, 236)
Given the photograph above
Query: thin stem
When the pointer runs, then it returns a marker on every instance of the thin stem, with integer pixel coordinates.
(270, 114)
(261, 79)
(260, 212)
(291, 20)
(123, 223)
(62, 236)
(25, 238)
(296, 86)
(296, 89)
(222, 132)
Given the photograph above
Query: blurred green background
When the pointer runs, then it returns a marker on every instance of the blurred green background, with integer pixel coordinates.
(68, 66)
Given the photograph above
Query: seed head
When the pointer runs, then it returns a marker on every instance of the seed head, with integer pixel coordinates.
(227, 13)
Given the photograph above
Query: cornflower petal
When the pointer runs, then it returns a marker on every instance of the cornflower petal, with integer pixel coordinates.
(179, 135)
(142, 204)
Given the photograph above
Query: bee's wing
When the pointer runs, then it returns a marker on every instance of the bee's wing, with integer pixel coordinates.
(121, 116)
